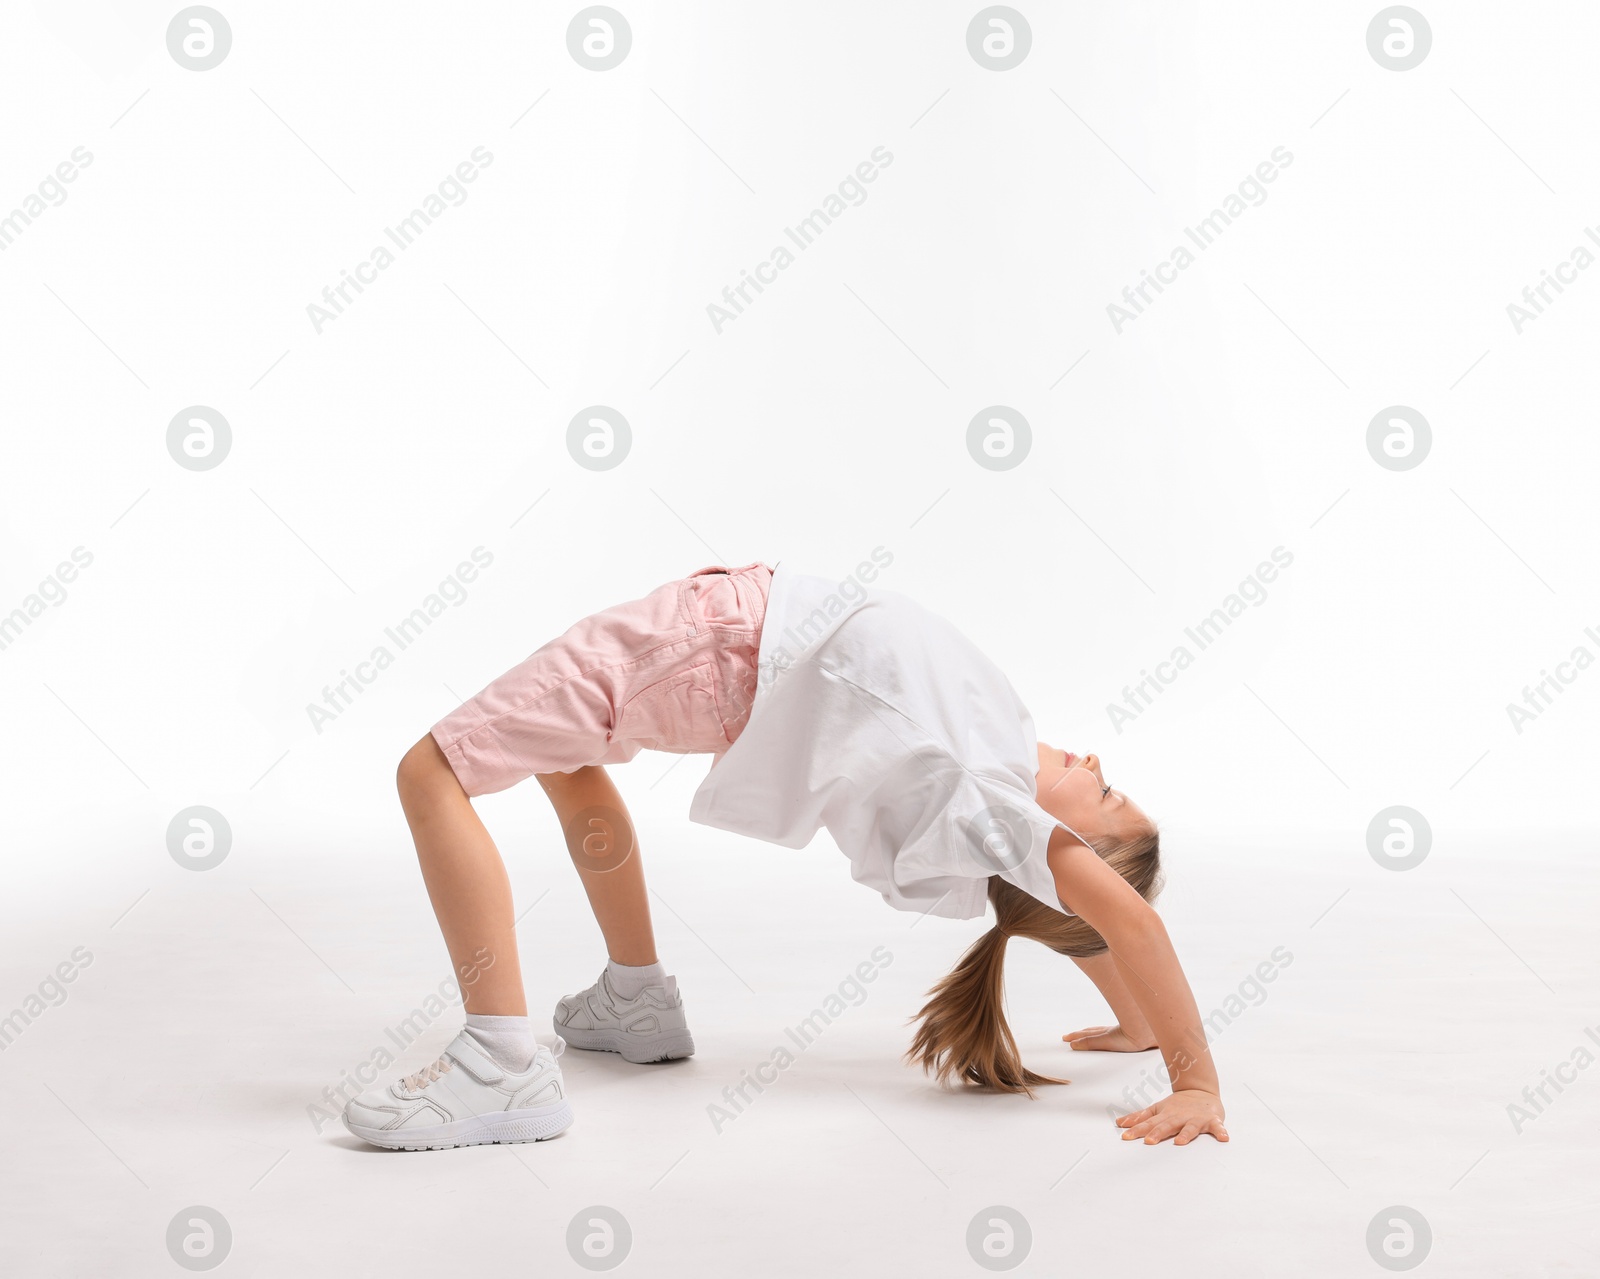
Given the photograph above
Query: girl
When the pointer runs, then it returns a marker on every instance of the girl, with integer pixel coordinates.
(824, 704)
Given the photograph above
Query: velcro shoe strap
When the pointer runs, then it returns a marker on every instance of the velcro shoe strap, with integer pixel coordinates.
(477, 1063)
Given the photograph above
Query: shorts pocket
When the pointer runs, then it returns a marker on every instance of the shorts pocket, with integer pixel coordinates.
(724, 599)
(677, 714)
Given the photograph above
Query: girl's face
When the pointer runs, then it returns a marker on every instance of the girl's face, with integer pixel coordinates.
(1072, 789)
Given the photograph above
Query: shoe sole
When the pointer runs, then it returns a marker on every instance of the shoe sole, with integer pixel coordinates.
(635, 1048)
(510, 1127)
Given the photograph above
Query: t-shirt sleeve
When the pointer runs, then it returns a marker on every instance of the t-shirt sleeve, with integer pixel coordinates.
(973, 827)
(1032, 873)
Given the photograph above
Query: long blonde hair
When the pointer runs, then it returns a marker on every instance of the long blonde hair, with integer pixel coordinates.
(964, 1036)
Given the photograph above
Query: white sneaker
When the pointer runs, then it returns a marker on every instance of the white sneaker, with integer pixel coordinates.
(465, 1099)
(651, 1027)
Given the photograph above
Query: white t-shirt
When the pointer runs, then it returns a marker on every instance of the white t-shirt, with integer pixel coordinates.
(881, 721)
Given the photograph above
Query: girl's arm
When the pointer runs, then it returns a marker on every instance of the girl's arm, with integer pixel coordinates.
(1132, 1033)
(1148, 966)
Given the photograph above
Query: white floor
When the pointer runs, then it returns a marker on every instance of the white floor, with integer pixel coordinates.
(1375, 1070)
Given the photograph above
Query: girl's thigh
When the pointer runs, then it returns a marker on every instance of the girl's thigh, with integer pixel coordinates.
(665, 672)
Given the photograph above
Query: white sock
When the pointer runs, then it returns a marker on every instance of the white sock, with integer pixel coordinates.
(629, 980)
(508, 1040)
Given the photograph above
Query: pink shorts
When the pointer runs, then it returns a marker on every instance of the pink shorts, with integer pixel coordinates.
(674, 671)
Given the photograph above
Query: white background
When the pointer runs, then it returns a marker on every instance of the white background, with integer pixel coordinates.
(828, 419)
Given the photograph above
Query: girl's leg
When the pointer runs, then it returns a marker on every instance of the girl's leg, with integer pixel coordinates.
(635, 1008)
(466, 881)
(616, 889)
(494, 1082)
(471, 892)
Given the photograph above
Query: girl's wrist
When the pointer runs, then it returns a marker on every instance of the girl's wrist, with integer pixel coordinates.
(1190, 1074)
(1140, 1032)
(1190, 1081)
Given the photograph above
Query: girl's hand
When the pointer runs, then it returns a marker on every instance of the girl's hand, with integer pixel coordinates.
(1183, 1115)
(1108, 1039)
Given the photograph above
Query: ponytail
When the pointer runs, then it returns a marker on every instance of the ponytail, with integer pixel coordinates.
(963, 1036)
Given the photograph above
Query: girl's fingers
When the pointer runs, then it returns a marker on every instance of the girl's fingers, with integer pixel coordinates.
(1155, 1127)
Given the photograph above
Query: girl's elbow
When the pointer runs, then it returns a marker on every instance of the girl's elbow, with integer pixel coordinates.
(1136, 921)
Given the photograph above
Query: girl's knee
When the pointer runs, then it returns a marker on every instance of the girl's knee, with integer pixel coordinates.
(421, 768)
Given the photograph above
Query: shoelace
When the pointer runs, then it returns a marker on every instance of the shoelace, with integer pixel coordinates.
(425, 1076)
